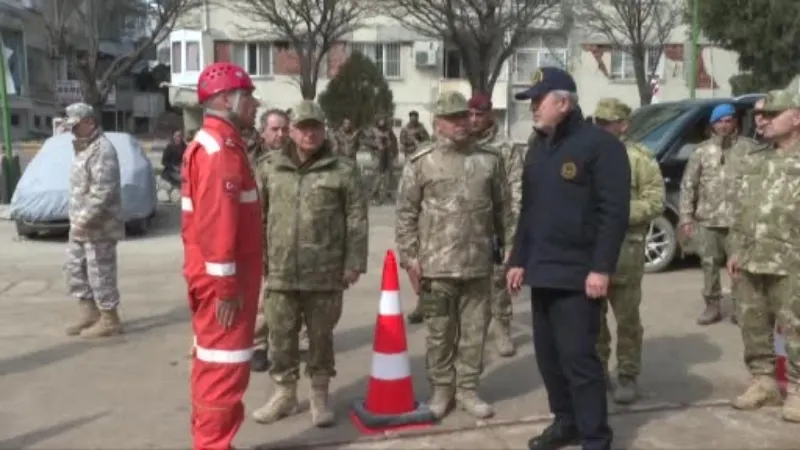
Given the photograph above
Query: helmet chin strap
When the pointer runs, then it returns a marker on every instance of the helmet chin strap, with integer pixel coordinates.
(232, 114)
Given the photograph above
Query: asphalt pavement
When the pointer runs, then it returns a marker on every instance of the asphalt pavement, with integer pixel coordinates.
(131, 392)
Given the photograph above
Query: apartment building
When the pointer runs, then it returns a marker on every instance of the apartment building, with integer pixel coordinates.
(418, 69)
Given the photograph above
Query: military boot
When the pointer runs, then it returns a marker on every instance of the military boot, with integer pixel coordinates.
(415, 316)
(89, 315)
(108, 325)
(791, 405)
(471, 403)
(626, 391)
(441, 401)
(712, 313)
(762, 391)
(283, 403)
(321, 414)
(501, 331)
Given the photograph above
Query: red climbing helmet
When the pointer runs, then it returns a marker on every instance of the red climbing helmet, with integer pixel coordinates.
(222, 77)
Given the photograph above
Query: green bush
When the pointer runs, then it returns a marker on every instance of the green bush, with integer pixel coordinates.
(358, 92)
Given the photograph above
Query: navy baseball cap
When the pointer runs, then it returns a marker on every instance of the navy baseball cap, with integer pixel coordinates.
(547, 79)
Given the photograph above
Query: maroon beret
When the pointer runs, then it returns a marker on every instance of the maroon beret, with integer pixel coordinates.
(480, 100)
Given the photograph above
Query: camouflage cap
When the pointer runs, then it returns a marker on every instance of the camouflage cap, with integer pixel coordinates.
(781, 100)
(612, 110)
(451, 103)
(77, 112)
(307, 110)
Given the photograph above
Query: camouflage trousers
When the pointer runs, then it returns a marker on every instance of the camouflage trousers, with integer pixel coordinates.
(382, 185)
(763, 300)
(286, 312)
(262, 329)
(91, 272)
(456, 313)
(502, 309)
(624, 297)
(714, 248)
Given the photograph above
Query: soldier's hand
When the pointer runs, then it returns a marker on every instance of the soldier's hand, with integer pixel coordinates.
(733, 267)
(350, 277)
(514, 278)
(596, 285)
(227, 310)
(687, 229)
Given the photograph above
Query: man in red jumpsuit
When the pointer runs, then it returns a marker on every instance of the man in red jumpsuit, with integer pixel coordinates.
(221, 233)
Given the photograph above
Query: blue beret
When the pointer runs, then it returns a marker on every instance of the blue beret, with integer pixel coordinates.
(547, 79)
(722, 111)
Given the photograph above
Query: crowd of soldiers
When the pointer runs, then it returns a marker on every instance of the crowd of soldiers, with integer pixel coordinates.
(459, 213)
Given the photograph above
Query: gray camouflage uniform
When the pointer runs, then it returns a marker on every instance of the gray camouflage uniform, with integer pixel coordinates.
(451, 201)
(96, 225)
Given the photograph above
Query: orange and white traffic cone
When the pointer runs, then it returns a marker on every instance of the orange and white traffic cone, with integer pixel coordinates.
(390, 403)
(780, 360)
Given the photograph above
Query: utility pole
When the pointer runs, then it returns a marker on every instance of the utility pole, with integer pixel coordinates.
(695, 54)
(8, 163)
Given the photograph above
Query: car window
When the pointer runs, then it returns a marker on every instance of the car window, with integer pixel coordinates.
(652, 124)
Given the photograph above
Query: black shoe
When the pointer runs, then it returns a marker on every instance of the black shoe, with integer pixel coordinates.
(260, 361)
(415, 317)
(554, 437)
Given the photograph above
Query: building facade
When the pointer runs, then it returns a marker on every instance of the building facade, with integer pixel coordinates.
(418, 69)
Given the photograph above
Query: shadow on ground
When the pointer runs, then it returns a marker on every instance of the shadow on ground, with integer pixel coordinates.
(33, 437)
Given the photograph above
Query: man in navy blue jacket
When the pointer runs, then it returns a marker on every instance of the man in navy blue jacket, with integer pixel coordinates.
(573, 218)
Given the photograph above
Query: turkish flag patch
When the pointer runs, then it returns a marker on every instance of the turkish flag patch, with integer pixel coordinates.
(230, 187)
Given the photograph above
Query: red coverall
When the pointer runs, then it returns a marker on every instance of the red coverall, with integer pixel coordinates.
(221, 234)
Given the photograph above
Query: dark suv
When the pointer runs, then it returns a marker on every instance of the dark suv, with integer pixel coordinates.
(672, 132)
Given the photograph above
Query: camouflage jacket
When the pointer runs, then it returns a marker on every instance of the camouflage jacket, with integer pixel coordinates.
(512, 156)
(346, 144)
(315, 220)
(449, 205)
(647, 190)
(707, 183)
(412, 136)
(95, 193)
(382, 144)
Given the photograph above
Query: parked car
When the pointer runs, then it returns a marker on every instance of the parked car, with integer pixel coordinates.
(41, 200)
(672, 131)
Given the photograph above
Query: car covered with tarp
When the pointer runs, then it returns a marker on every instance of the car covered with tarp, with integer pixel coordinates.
(40, 203)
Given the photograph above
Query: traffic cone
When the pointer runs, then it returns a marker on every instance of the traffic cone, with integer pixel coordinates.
(780, 360)
(390, 403)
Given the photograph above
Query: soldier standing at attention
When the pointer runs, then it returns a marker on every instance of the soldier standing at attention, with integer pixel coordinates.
(573, 218)
(485, 130)
(346, 139)
(96, 225)
(451, 202)
(413, 135)
(625, 294)
(317, 232)
(764, 261)
(705, 207)
(381, 142)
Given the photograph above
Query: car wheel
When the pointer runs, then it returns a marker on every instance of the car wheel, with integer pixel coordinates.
(138, 227)
(24, 230)
(661, 245)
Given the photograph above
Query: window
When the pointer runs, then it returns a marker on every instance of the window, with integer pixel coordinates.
(453, 67)
(256, 57)
(15, 121)
(622, 64)
(177, 67)
(527, 60)
(48, 121)
(192, 56)
(37, 121)
(386, 56)
(13, 40)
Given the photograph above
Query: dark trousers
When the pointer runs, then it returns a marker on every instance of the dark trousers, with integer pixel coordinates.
(566, 325)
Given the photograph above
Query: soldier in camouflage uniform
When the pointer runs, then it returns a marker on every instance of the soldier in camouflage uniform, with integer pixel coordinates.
(316, 224)
(346, 139)
(486, 132)
(451, 200)
(625, 292)
(765, 258)
(381, 142)
(96, 225)
(705, 208)
(413, 134)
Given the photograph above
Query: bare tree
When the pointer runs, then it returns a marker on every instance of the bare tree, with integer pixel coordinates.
(310, 27)
(637, 27)
(78, 28)
(485, 32)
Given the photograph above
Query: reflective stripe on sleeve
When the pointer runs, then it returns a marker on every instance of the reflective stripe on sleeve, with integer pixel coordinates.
(223, 356)
(221, 269)
(207, 141)
(186, 204)
(250, 196)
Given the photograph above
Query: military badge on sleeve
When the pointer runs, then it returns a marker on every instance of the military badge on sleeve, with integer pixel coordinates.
(569, 170)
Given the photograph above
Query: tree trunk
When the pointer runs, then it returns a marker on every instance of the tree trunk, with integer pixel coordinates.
(642, 77)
